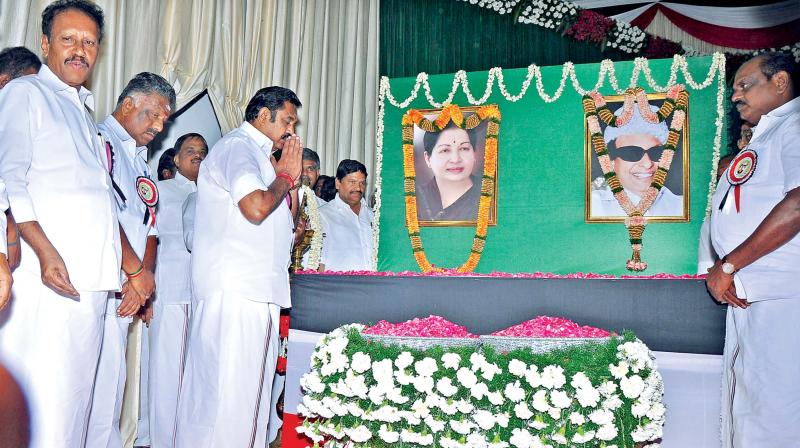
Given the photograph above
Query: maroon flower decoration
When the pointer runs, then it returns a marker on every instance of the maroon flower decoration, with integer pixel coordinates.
(590, 27)
(656, 47)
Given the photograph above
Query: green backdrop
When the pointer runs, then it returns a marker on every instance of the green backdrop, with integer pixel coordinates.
(540, 222)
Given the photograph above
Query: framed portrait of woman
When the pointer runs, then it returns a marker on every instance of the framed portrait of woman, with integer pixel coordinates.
(634, 151)
(449, 167)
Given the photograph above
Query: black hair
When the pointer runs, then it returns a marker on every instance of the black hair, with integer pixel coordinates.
(165, 162)
(430, 138)
(327, 187)
(146, 83)
(180, 141)
(774, 62)
(273, 99)
(310, 154)
(15, 60)
(90, 9)
(348, 166)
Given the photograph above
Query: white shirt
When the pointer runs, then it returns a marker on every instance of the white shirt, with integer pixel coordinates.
(706, 257)
(230, 254)
(3, 208)
(130, 162)
(173, 279)
(56, 173)
(776, 141)
(347, 245)
(605, 204)
(189, 209)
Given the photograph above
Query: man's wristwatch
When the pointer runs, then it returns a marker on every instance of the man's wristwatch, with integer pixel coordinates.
(727, 267)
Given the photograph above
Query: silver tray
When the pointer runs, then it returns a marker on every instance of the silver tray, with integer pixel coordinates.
(422, 343)
(537, 345)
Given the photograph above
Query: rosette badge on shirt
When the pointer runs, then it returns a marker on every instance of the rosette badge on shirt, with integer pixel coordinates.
(148, 193)
(740, 171)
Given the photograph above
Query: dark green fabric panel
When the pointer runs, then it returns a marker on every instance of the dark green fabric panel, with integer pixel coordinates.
(444, 36)
(541, 184)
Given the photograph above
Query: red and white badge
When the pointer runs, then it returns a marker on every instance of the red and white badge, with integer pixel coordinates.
(148, 192)
(740, 171)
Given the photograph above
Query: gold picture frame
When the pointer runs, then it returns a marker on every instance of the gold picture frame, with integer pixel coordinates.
(425, 191)
(678, 177)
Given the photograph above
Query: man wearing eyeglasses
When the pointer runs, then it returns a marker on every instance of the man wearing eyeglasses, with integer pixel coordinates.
(635, 150)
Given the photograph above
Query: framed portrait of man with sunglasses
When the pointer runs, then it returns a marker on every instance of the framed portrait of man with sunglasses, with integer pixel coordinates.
(635, 150)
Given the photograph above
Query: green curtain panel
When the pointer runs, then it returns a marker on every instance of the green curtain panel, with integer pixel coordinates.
(444, 36)
(540, 220)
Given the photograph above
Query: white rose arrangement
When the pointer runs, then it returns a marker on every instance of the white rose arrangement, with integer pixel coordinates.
(359, 393)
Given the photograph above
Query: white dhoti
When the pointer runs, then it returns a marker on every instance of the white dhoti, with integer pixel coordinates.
(233, 351)
(104, 429)
(169, 334)
(51, 345)
(761, 377)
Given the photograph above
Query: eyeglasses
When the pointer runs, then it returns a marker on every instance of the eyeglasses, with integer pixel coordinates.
(634, 153)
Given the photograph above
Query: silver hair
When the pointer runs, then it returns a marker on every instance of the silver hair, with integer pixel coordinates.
(146, 83)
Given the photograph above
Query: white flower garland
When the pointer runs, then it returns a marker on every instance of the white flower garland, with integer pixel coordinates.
(716, 72)
(314, 223)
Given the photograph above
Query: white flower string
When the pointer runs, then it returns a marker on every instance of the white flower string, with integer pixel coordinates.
(315, 224)
(607, 72)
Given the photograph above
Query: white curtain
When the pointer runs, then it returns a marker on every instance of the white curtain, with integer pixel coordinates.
(324, 50)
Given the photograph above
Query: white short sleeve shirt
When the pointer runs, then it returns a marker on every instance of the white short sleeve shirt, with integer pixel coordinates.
(3, 208)
(129, 163)
(776, 141)
(231, 256)
(347, 245)
(173, 279)
(56, 173)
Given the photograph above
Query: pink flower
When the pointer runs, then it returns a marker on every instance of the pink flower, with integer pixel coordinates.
(429, 327)
(552, 327)
(666, 159)
(677, 120)
(605, 163)
(599, 100)
(594, 125)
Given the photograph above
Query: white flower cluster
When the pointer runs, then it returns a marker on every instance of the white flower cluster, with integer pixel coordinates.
(626, 37)
(548, 13)
(457, 401)
(498, 6)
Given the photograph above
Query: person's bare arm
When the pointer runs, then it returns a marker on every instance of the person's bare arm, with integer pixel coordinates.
(781, 225)
(5, 281)
(12, 239)
(259, 204)
(140, 284)
(54, 271)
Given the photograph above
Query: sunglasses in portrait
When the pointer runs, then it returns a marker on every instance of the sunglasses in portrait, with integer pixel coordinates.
(634, 153)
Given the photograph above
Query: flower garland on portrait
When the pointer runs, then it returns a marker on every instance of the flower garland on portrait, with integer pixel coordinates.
(594, 106)
(450, 112)
(496, 83)
(362, 393)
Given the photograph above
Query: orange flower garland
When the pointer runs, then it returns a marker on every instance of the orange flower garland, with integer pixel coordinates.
(594, 106)
(450, 112)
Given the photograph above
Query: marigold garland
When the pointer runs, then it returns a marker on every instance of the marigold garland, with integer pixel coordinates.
(450, 112)
(594, 106)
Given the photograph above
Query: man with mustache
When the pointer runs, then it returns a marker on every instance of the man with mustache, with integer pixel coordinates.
(169, 329)
(635, 150)
(755, 233)
(141, 111)
(347, 222)
(58, 184)
(240, 276)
